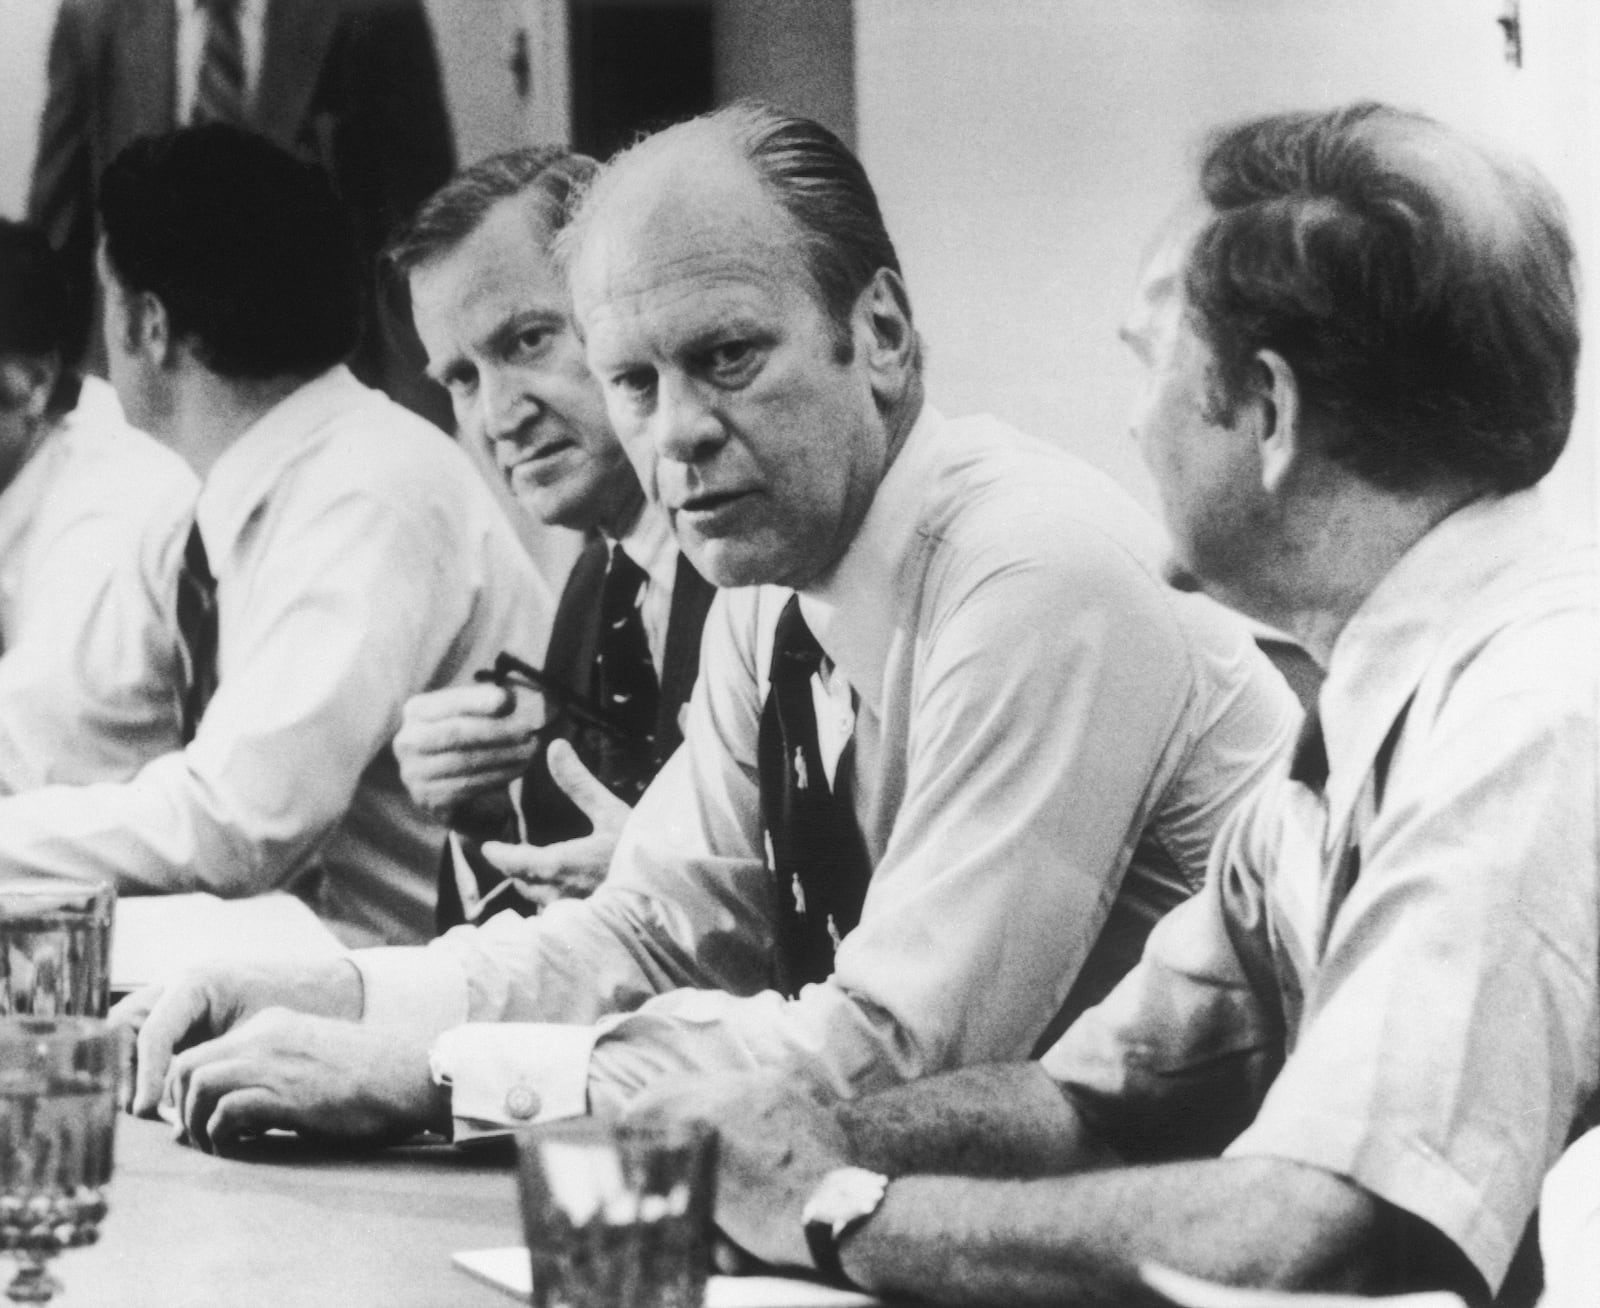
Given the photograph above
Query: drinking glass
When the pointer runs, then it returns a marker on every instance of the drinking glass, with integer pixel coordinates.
(58, 1112)
(617, 1216)
(55, 949)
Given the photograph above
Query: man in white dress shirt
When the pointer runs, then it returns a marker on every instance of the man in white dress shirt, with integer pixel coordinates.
(1348, 1061)
(1016, 740)
(92, 520)
(345, 555)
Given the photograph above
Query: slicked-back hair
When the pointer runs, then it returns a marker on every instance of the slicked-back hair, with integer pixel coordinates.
(457, 209)
(246, 246)
(38, 308)
(818, 183)
(1420, 285)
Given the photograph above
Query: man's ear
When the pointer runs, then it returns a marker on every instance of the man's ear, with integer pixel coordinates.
(1280, 437)
(881, 325)
(153, 328)
(146, 329)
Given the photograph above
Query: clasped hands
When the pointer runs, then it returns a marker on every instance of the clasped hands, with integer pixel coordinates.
(456, 744)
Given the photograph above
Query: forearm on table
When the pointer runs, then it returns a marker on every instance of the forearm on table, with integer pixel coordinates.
(1003, 1119)
(1082, 1239)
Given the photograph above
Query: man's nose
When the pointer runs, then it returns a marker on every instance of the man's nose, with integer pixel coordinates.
(504, 405)
(687, 427)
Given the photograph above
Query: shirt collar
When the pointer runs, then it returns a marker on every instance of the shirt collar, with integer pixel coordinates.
(854, 610)
(650, 544)
(248, 469)
(1379, 658)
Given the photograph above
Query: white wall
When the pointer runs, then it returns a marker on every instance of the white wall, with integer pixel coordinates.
(1024, 149)
(24, 41)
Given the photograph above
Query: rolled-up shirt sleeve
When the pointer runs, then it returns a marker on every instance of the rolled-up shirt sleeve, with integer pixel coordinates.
(1450, 1036)
(1432, 1035)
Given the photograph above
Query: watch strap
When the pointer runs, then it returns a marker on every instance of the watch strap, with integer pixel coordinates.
(844, 1200)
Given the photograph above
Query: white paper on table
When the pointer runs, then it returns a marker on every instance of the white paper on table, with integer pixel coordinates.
(1192, 1292)
(508, 1270)
(153, 936)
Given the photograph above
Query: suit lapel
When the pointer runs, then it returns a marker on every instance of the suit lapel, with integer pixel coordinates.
(297, 37)
(691, 600)
(575, 633)
(145, 41)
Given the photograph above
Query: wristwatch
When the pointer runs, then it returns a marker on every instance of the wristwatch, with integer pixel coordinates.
(844, 1200)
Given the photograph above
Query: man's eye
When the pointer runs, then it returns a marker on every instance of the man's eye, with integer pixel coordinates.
(635, 385)
(460, 382)
(729, 360)
(531, 340)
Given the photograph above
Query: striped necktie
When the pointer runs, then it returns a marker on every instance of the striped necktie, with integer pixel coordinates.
(219, 88)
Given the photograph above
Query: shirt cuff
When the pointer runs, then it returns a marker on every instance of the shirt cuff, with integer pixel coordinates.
(508, 1074)
(420, 989)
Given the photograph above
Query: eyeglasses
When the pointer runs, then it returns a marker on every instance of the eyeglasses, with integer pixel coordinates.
(509, 670)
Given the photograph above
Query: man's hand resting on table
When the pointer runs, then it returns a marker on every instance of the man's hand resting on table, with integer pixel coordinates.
(776, 1139)
(206, 1002)
(316, 1075)
(570, 869)
(458, 743)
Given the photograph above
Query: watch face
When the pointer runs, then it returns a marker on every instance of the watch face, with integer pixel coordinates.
(846, 1195)
(845, 1198)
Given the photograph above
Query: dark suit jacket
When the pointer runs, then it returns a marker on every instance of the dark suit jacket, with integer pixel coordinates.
(352, 84)
(549, 815)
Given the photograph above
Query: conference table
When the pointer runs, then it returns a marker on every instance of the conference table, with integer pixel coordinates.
(290, 1223)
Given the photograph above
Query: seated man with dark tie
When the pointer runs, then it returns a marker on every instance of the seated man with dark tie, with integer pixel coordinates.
(1348, 1061)
(92, 520)
(495, 317)
(954, 746)
(344, 555)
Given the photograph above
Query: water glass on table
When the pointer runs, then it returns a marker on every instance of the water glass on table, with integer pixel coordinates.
(55, 949)
(58, 1110)
(617, 1216)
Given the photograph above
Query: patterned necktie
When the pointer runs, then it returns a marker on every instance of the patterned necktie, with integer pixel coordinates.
(818, 857)
(197, 625)
(219, 87)
(625, 682)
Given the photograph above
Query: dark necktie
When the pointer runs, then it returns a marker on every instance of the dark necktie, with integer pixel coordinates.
(219, 86)
(1309, 763)
(197, 625)
(625, 683)
(819, 860)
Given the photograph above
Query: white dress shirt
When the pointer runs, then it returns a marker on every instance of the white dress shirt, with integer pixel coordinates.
(1569, 1226)
(360, 560)
(1420, 963)
(1035, 716)
(651, 544)
(91, 535)
(193, 22)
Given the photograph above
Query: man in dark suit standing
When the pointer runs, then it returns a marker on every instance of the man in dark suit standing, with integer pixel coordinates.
(351, 84)
(494, 315)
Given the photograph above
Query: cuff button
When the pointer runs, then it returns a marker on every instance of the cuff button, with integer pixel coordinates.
(522, 1102)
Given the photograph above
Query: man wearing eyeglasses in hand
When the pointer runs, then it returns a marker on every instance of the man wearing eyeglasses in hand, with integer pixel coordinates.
(494, 315)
